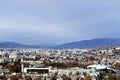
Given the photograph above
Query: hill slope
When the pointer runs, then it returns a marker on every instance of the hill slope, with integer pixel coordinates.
(17, 45)
(78, 44)
(10, 45)
(91, 43)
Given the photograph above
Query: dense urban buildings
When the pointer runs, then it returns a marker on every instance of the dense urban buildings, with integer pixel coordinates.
(69, 64)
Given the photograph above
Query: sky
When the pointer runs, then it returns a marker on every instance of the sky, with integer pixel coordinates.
(58, 21)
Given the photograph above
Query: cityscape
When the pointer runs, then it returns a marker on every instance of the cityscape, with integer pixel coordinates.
(101, 63)
(59, 40)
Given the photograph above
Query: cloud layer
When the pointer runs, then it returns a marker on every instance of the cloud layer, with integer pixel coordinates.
(53, 21)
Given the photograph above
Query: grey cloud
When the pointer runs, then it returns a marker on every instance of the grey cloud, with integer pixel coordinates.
(58, 21)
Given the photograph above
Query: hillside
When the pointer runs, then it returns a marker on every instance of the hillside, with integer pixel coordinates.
(90, 43)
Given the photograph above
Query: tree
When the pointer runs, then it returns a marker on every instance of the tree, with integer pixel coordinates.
(4, 78)
(15, 68)
(117, 66)
(66, 77)
(77, 73)
(14, 78)
(88, 78)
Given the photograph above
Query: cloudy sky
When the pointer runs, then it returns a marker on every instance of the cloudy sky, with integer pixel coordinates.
(58, 21)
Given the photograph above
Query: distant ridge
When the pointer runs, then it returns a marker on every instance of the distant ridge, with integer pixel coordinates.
(10, 45)
(98, 42)
(17, 45)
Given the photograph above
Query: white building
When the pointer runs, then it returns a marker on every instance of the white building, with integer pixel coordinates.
(13, 55)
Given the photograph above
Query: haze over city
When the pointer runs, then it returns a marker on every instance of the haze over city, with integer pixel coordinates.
(58, 21)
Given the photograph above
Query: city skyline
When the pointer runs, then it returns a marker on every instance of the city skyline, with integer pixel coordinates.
(50, 21)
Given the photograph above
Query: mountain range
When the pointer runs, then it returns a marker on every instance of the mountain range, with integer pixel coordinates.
(98, 42)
